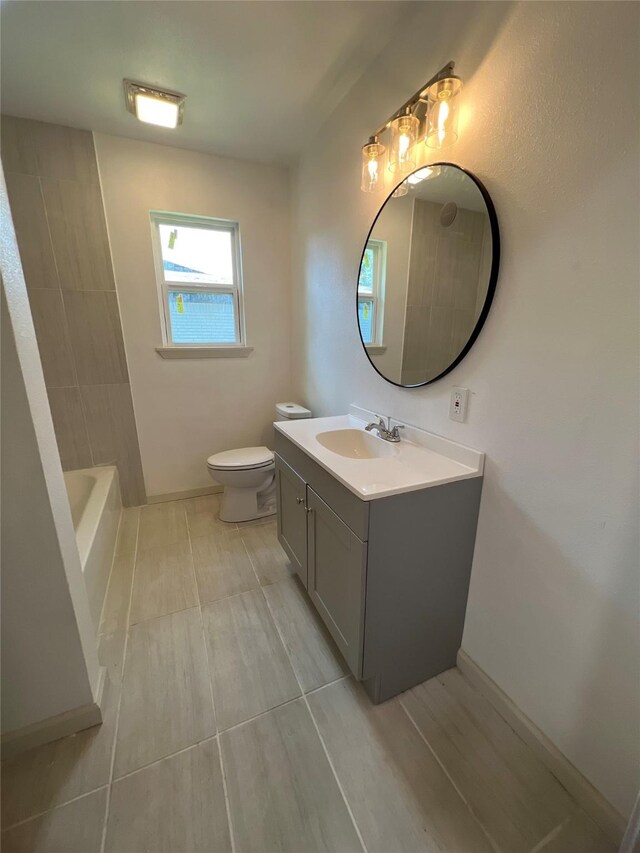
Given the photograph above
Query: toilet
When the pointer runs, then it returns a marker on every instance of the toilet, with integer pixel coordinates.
(248, 474)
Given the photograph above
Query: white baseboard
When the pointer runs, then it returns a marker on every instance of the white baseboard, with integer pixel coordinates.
(180, 496)
(588, 797)
(50, 729)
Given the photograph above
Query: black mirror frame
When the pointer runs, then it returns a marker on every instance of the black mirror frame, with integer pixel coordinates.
(493, 275)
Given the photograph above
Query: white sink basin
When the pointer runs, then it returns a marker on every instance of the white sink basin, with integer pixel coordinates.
(354, 444)
(371, 467)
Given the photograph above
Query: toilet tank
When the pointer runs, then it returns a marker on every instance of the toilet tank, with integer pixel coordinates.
(291, 412)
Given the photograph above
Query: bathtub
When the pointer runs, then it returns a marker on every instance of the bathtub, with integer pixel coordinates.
(94, 498)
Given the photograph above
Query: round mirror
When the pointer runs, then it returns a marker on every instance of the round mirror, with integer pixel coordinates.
(427, 274)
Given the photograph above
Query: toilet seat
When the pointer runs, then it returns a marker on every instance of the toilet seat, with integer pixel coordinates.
(243, 459)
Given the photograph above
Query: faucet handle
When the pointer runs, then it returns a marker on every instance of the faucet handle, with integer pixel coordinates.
(395, 432)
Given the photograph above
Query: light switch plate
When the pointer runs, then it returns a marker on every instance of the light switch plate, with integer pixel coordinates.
(458, 404)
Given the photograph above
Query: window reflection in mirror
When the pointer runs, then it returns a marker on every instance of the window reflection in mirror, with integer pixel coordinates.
(428, 270)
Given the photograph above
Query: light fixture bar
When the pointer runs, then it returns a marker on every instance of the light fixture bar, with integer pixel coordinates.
(419, 97)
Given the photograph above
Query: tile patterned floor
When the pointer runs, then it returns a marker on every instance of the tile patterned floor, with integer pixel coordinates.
(231, 724)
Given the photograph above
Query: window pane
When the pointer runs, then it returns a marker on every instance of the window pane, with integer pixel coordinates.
(367, 270)
(196, 254)
(202, 318)
(365, 318)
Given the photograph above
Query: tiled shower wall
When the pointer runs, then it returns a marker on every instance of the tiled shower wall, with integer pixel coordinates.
(448, 278)
(56, 202)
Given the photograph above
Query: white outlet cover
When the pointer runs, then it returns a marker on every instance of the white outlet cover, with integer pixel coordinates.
(458, 404)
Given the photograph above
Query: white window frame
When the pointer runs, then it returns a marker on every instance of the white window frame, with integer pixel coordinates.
(376, 296)
(166, 285)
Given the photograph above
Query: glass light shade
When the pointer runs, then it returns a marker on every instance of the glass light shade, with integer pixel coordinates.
(442, 115)
(404, 134)
(372, 169)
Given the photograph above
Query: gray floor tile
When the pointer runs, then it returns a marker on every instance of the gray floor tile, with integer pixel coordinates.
(128, 530)
(250, 670)
(56, 772)
(162, 524)
(74, 828)
(222, 566)
(166, 700)
(116, 602)
(282, 793)
(174, 806)
(514, 796)
(203, 519)
(577, 834)
(314, 656)
(266, 519)
(164, 582)
(400, 797)
(268, 558)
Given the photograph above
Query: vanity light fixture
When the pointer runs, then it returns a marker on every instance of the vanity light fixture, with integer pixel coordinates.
(431, 114)
(442, 114)
(372, 171)
(154, 106)
(404, 135)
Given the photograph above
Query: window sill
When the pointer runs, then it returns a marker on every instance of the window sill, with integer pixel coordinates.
(375, 349)
(204, 352)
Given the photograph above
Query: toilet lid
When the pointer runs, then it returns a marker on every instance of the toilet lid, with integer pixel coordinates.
(244, 457)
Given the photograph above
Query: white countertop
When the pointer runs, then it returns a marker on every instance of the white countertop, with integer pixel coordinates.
(419, 460)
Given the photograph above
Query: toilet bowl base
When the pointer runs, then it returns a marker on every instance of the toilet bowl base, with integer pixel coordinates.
(247, 504)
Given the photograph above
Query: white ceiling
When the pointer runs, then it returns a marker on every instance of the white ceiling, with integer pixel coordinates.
(260, 77)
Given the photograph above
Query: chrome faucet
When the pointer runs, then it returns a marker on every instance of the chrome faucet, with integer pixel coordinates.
(384, 430)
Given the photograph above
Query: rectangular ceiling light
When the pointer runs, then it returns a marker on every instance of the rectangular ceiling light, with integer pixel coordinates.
(154, 106)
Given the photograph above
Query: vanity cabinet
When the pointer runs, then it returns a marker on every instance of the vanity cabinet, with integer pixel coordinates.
(389, 577)
(291, 493)
(337, 562)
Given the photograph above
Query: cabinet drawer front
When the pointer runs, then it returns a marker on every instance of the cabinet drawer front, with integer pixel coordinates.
(292, 516)
(353, 511)
(337, 563)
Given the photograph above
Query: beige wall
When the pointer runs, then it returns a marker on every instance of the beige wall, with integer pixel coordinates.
(56, 203)
(49, 661)
(188, 409)
(553, 605)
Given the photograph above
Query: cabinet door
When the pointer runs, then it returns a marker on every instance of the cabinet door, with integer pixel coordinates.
(337, 565)
(292, 516)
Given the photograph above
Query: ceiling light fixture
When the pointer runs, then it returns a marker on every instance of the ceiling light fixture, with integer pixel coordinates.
(154, 106)
(430, 114)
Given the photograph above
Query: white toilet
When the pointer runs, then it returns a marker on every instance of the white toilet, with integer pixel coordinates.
(248, 474)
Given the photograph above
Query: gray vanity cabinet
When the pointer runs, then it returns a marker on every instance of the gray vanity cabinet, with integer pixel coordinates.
(337, 562)
(389, 577)
(291, 491)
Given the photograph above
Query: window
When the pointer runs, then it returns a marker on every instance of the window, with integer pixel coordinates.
(198, 269)
(371, 292)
